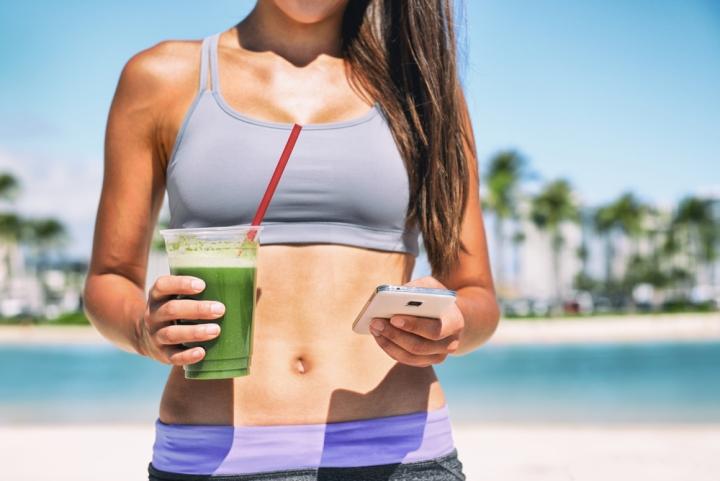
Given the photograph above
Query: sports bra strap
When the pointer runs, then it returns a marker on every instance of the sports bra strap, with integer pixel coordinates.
(204, 57)
(213, 51)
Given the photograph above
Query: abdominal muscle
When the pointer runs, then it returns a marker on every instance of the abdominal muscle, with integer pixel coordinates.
(308, 366)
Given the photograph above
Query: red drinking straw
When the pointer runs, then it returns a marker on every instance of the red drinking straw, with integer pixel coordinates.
(279, 168)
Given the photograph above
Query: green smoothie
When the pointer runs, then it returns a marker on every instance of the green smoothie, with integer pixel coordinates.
(228, 355)
(226, 259)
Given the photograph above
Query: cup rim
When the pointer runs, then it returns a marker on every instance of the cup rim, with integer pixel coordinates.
(209, 230)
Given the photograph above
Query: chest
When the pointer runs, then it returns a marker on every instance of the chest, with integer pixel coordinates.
(349, 172)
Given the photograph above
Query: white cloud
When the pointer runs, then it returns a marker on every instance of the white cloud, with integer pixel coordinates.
(710, 191)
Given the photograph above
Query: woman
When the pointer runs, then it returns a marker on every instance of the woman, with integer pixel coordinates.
(386, 155)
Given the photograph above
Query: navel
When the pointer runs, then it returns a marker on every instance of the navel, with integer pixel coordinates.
(300, 365)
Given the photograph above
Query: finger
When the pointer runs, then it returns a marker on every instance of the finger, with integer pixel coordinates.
(182, 334)
(182, 356)
(427, 327)
(188, 309)
(426, 281)
(166, 286)
(399, 354)
(412, 342)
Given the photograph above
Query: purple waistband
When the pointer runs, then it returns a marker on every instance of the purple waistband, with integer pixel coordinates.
(232, 450)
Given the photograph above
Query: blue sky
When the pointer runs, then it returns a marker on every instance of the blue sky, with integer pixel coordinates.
(613, 95)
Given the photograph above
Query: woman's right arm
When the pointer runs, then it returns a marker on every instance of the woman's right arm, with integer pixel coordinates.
(130, 201)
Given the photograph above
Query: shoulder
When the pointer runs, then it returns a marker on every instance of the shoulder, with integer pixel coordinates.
(161, 72)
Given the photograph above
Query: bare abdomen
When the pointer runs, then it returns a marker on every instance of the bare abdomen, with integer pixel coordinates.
(307, 364)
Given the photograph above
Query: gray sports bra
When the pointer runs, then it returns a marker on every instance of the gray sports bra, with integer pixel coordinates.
(345, 182)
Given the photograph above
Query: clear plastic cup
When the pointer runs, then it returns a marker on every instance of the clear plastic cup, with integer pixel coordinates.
(226, 260)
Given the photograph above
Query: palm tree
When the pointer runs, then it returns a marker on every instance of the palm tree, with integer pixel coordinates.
(624, 215)
(10, 232)
(506, 170)
(604, 224)
(10, 227)
(583, 252)
(629, 213)
(43, 235)
(652, 266)
(9, 186)
(551, 208)
(9, 222)
(696, 218)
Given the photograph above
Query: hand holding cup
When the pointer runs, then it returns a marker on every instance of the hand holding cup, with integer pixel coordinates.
(161, 337)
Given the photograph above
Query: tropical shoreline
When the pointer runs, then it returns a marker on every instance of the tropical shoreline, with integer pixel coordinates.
(511, 451)
(598, 329)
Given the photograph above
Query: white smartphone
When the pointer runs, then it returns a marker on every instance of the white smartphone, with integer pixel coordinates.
(388, 300)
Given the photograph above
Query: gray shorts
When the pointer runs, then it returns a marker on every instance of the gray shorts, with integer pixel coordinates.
(443, 468)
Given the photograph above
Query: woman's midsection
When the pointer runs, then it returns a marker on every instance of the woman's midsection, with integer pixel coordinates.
(307, 365)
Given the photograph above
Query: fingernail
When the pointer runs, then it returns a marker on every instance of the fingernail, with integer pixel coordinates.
(374, 332)
(212, 329)
(217, 308)
(397, 321)
(197, 353)
(378, 324)
(197, 284)
(453, 345)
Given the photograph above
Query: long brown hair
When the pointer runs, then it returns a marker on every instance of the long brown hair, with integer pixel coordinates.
(403, 54)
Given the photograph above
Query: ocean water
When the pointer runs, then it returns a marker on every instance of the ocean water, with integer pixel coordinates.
(669, 382)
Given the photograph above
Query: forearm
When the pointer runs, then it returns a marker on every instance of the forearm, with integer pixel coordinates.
(115, 306)
(481, 313)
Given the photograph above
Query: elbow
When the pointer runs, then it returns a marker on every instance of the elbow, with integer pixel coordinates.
(493, 317)
(89, 315)
(92, 303)
(87, 300)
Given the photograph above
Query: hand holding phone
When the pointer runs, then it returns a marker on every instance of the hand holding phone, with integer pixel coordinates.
(389, 300)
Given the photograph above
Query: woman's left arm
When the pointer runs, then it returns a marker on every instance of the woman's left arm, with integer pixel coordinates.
(422, 341)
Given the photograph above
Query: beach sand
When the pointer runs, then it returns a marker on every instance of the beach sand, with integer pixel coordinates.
(628, 328)
(495, 452)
